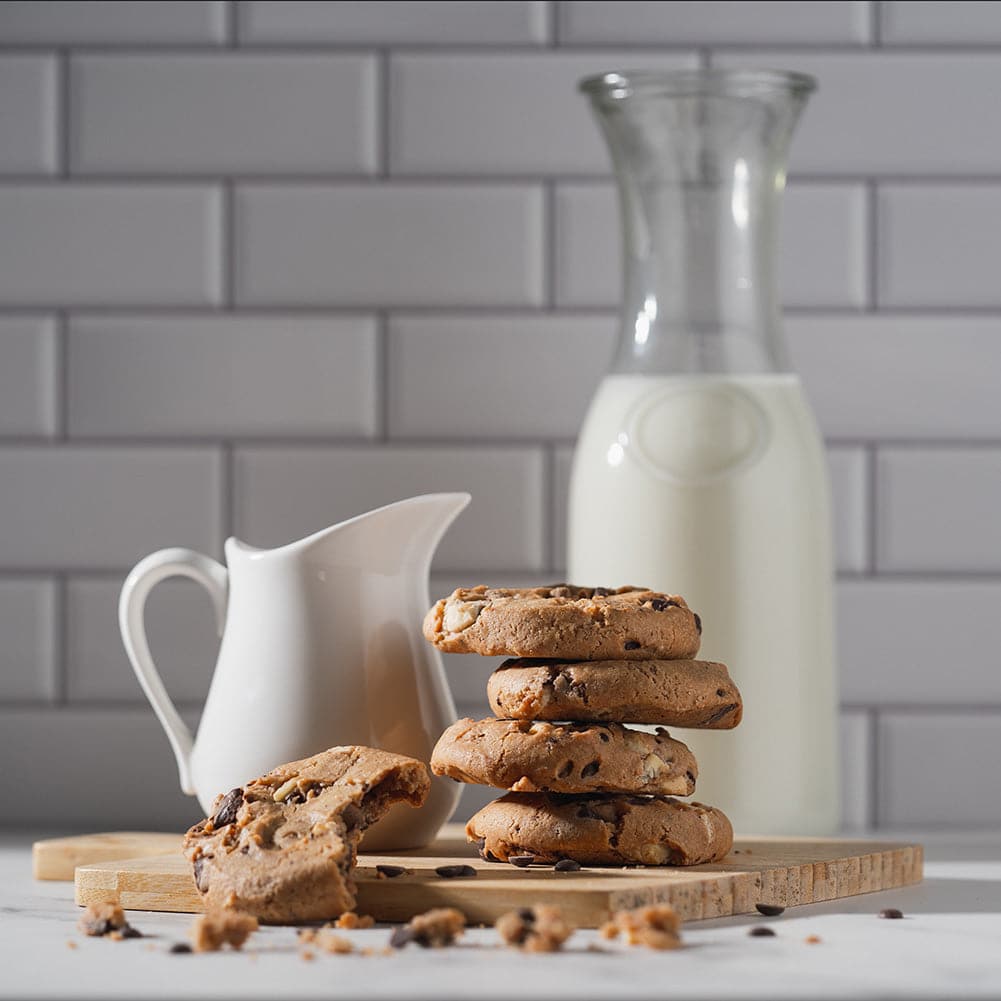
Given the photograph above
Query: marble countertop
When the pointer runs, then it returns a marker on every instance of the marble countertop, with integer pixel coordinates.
(948, 945)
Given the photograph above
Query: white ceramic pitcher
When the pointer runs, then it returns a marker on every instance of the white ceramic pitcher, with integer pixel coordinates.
(321, 645)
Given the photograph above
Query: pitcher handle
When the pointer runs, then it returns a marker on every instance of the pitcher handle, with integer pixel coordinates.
(145, 575)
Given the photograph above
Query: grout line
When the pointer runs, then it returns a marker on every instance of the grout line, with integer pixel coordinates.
(382, 376)
(872, 509)
(63, 113)
(228, 246)
(704, 55)
(549, 252)
(61, 398)
(60, 693)
(231, 34)
(227, 488)
(872, 247)
(549, 505)
(875, 784)
(383, 112)
(875, 25)
(553, 24)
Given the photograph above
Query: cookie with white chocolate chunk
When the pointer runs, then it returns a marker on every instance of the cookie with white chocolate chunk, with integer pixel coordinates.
(527, 756)
(563, 621)
(282, 848)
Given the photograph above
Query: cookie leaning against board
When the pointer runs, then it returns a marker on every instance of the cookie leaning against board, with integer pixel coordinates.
(283, 847)
(563, 621)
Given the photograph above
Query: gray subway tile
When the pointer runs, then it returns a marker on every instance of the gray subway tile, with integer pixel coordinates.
(90, 22)
(926, 22)
(900, 376)
(251, 375)
(100, 769)
(105, 507)
(938, 509)
(509, 22)
(822, 245)
(537, 374)
(939, 770)
(681, 22)
(856, 771)
(890, 112)
(284, 494)
(392, 245)
(28, 114)
(228, 113)
(27, 375)
(511, 113)
(28, 652)
(938, 245)
(180, 626)
(81, 244)
(919, 642)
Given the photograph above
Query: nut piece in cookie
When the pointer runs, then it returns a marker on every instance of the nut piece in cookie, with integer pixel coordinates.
(434, 929)
(216, 928)
(656, 927)
(563, 621)
(534, 929)
(283, 847)
(527, 756)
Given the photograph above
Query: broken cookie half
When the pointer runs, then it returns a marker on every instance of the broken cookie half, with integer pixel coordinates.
(282, 848)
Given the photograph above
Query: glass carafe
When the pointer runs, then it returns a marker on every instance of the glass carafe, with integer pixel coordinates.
(699, 468)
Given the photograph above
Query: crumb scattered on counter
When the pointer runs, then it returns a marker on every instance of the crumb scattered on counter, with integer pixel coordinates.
(534, 929)
(351, 920)
(812, 939)
(71, 944)
(308, 955)
(434, 929)
(215, 929)
(326, 940)
(656, 927)
(106, 919)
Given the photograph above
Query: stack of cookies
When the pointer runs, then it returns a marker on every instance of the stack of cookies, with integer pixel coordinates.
(582, 786)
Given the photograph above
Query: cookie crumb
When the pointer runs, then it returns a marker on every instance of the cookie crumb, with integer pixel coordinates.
(656, 927)
(308, 955)
(349, 919)
(326, 940)
(434, 929)
(534, 929)
(812, 939)
(70, 944)
(102, 919)
(215, 929)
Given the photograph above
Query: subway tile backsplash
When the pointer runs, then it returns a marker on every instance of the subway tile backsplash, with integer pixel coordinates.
(266, 265)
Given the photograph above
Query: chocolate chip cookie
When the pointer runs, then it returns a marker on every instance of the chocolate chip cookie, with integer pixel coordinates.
(565, 622)
(698, 694)
(601, 830)
(528, 756)
(282, 848)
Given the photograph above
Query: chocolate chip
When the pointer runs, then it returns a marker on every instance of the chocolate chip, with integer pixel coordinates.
(390, 871)
(352, 817)
(591, 768)
(603, 737)
(226, 814)
(891, 912)
(127, 931)
(526, 914)
(658, 604)
(565, 770)
(567, 865)
(698, 622)
(721, 693)
(761, 931)
(721, 713)
(521, 861)
(769, 910)
(601, 592)
(632, 645)
(179, 949)
(691, 778)
(401, 936)
(455, 871)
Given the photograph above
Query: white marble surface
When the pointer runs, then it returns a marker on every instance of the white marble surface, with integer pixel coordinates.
(949, 945)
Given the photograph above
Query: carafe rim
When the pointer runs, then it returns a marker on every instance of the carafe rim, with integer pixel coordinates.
(618, 85)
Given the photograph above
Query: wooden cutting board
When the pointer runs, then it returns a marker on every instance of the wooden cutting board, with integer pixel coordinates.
(784, 871)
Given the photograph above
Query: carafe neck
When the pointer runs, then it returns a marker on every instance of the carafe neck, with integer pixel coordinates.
(699, 160)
